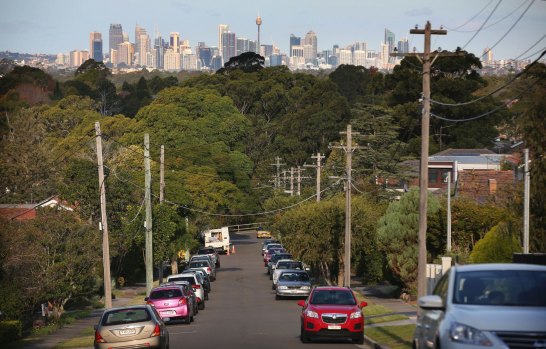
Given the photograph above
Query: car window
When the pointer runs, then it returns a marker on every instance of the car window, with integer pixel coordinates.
(341, 297)
(166, 294)
(125, 316)
(189, 279)
(501, 287)
(442, 287)
(287, 276)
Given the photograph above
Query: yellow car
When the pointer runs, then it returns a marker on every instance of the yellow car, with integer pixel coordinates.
(264, 234)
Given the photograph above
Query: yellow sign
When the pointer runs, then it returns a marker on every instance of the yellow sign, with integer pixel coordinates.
(182, 254)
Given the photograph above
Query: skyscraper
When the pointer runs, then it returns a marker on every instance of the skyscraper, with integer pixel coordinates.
(159, 50)
(174, 41)
(115, 36)
(310, 47)
(143, 47)
(389, 40)
(403, 46)
(95, 46)
(294, 41)
(138, 32)
(228, 45)
(221, 29)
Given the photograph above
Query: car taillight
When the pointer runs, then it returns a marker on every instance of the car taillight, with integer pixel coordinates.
(98, 338)
(208, 270)
(182, 301)
(150, 303)
(157, 331)
(196, 286)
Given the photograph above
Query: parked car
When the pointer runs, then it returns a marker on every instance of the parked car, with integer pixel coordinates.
(267, 242)
(188, 290)
(485, 305)
(197, 286)
(293, 283)
(271, 264)
(135, 326)
(270, 252)
(204, 279)
(200, 257)
(283, 264)
(263, 234)
(212, 253)
(270, 245)
(205, 266)
(332, 312)
(171, 302)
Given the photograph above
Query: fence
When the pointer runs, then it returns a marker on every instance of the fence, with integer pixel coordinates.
(435, 272)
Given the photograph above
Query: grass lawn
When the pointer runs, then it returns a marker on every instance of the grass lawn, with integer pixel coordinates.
(394, 337)
(373, 312)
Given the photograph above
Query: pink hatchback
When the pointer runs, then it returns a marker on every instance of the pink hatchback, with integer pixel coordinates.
(171, 302)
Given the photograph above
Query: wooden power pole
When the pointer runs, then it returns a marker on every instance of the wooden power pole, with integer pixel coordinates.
(318, 166)
(425, 59)
(148, 224)
(104, 223)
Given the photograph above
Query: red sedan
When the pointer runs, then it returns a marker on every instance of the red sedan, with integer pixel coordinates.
(332, 312)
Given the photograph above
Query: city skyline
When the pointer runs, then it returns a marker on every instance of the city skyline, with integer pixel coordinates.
(24, 30)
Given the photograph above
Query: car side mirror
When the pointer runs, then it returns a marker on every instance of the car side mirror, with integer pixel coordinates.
(301, 303)
(431, 302)
(146, 299)
(95, 327)
(363, 304)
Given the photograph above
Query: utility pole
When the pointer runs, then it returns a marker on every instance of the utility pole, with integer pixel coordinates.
(425, 132)
(318, 166)
(349, 149)
(104, 223)
(449, 212)
(148, 224)
(278, 176)
(291, 181)
(526, 199)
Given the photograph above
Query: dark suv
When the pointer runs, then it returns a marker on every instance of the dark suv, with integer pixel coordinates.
(212, 253)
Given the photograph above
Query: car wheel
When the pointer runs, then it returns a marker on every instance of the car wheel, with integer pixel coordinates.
(304, 337)
(359, 339)
(207, 297)
(273, 286)
(270, 276)
(192, 318)
(201, 305)
(187, 319)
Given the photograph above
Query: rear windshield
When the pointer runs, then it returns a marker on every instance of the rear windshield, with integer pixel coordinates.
(166, 294)
(189, 279)
(294, 277)
(199, 264)
(290, 265)
(501, 287)
(341, 297)
(125, 316)
(205, 251)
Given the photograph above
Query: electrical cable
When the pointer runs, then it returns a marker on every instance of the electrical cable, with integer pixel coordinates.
(510, 13)
(494, 91)
(472, 18)
(483, 24)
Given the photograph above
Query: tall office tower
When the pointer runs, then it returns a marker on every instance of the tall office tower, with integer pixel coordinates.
(403, 46)
(253, 46)
(159, 50)
(185, 47)
(222, 28)
(389, 40)
(114, 57)
(189, 62)
(294, 41)
(138, 31)
(125, 36)
(258, 23)
(360, 46)
(345, 56)
(144, 46)
(78, 57)
(242, 45)
(297, 59)
(115, 37)
(126, 52)
(229, 42)
(172, 60)
(310, 47)
(204, 56)
(95, 46)
(487, 55)
(216, 62)
(267, 50)
(359, 57)
(174, 41)
(385, 55)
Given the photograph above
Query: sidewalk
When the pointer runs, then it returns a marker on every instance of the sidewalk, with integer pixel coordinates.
(380, 295)
(74, 330)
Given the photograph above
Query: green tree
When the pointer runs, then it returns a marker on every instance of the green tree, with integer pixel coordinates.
(397, 234)
(247, 62)
(497, 246)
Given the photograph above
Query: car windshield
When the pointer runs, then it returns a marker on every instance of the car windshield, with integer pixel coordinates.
(340, 297)
(205, 251)
(294, 277)
(189, 279)
(166, 293)
(199, 264)
(501, 287)
(290, 265)
(125, 316)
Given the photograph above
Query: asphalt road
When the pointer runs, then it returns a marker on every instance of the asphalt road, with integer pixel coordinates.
(242, 311)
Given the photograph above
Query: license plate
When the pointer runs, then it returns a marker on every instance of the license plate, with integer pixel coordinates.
(168, 312)
(127, 332)
(334, 327)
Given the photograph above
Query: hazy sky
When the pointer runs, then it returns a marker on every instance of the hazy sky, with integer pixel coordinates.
(59, 26)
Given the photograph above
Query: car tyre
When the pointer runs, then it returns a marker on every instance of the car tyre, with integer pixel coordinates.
(201, 306)
(360, 339)
(207, 297)
(304, 337)
(273, 286)
(187, 319)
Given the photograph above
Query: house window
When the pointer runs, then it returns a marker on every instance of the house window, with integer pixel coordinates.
(433, 176)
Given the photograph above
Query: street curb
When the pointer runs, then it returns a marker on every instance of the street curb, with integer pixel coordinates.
(373, 344)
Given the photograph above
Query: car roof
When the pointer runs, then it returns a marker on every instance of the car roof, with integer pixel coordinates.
(282, 271)
(136, 306)
(498, 266)
(287, 260)
(164, 287)
(185, 273)
(332, 288)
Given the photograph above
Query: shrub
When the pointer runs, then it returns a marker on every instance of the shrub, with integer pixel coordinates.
(497, 246)
(10, 331)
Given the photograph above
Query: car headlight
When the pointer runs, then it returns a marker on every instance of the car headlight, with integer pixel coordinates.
(356, 315)
(468, 335)
(310, 313)
(282, 288)
(305, 288)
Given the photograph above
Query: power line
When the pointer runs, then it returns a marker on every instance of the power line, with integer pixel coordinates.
(483, 24)
(471, 19)
(510, 13)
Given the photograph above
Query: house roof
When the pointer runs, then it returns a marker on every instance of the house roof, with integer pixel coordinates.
(28, 211)
(478, 184)
(464, 152)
